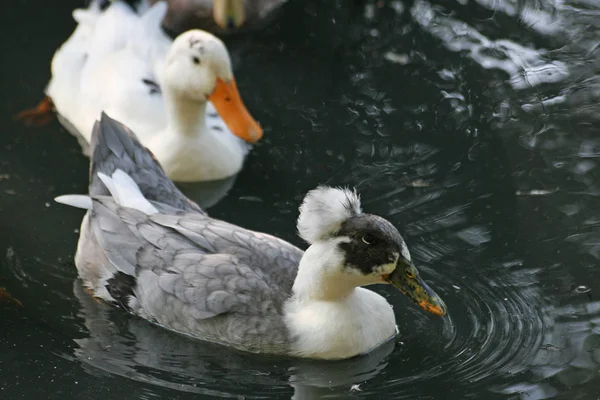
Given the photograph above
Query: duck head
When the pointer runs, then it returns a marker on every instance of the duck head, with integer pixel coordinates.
(198, 68)
(362, 249)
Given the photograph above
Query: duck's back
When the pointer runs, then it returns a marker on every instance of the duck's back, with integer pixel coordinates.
(111, 63)
(193, 274)
(123, 86)
(150, 250)
(69, 60)
(98, 33)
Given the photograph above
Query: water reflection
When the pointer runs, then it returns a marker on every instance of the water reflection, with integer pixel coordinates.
(552, 162)
(472, 125)
(526, 66)
(133, 348)
(569, 357)
(207, 194)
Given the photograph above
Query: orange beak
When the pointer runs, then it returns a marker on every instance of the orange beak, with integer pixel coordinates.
(232, 110)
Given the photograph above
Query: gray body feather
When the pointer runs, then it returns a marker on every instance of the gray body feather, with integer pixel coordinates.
(116, 146)
(179, 267)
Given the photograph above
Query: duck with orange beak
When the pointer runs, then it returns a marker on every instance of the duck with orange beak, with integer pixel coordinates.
(206, 117)
(180, 97)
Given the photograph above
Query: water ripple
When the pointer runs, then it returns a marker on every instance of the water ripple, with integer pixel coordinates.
(493, 328)
(526, 67)
(477, 140)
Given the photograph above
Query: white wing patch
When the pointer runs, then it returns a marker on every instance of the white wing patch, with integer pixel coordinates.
(126, 192)
(75, 200)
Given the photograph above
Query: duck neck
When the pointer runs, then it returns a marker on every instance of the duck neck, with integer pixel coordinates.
(328, 315)
(318, 277)
(185, 116)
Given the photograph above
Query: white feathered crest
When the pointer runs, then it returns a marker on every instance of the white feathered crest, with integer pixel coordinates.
(323, 211)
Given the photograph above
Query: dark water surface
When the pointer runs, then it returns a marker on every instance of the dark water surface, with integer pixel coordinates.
(471, 125)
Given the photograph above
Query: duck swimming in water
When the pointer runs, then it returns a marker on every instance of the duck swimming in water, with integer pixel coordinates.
(146, 248)
(180, 96)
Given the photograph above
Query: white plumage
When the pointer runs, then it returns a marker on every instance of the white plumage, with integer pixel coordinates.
(324, 210)
(145, 247)
(180, 96)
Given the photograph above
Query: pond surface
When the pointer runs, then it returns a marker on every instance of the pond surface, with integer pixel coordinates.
(471, 124)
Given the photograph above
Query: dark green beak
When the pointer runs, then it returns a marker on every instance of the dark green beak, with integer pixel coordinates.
(406, 279)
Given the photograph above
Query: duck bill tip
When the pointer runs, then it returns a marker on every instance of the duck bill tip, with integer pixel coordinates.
(230, 107)
(433, 308)
(418, 291)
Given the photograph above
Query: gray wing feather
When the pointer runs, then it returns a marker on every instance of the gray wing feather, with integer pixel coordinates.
(206, 285)
(114, 146)
(205, 266)
(277, 258)
(179, 267)
(192, 232)
(115, 237)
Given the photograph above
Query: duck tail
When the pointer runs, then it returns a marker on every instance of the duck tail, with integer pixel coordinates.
(115, 147)
(90, 12)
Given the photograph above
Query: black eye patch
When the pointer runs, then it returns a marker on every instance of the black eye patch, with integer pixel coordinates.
(374, 242)
(366, 258)
(368, 239)
(372, 227)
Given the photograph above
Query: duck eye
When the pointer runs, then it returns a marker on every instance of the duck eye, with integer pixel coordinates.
(368, 239)
(196, 60)
(409, 273)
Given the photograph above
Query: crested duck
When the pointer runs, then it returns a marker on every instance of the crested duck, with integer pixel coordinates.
(144, 247)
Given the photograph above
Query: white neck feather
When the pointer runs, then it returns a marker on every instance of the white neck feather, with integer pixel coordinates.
(318, 277)
(329, 316)
(184, 115)
(188, 150)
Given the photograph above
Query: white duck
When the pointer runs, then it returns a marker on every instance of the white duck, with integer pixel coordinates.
(66, 66)
(148, 249)
(180, 97)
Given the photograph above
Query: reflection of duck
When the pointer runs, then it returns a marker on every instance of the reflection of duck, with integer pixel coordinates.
(180, 97)
(150, 250)
(134, 349)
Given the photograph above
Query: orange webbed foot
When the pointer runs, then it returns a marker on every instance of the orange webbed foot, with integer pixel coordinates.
(38, 116)
(7, 298)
